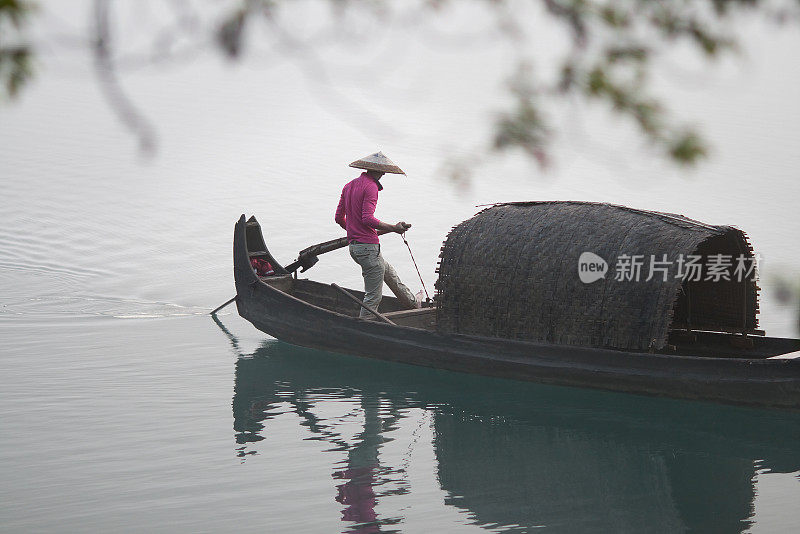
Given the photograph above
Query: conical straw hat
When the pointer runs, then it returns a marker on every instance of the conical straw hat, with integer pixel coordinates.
(377, 162)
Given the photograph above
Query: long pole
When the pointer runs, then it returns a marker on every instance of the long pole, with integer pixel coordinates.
(220, 307)
(368, 308)
(403, 235)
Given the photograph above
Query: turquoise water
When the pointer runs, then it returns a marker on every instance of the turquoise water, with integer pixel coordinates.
(125, 407)
(181, 424)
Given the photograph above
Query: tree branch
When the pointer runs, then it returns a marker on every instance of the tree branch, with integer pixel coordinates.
(126, 111)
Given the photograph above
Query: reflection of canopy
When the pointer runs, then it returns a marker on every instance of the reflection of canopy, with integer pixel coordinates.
(511, 271)
(587, 480)
(529, 454)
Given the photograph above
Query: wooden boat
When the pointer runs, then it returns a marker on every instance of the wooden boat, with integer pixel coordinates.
(675, 338)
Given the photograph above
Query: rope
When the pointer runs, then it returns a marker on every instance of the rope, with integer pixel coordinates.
(403, 235)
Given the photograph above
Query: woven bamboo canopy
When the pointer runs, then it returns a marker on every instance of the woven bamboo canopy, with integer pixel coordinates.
(512, 271)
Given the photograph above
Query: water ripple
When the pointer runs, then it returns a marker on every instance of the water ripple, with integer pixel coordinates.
(57, 306)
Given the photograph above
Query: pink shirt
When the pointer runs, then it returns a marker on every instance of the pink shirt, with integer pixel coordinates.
(356, 210)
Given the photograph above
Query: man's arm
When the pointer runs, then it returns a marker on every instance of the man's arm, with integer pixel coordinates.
(341, 217)
(368, 205)
(398, 228)
(369, 219)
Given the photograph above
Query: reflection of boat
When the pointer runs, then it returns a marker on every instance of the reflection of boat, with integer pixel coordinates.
(512, 453)
(531, 321)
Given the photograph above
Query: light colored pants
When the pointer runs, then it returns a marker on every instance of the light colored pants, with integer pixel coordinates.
(376, 271)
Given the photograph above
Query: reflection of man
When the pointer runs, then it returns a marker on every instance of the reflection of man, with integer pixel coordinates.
(356, 214)
(361, 477)
(358, 495)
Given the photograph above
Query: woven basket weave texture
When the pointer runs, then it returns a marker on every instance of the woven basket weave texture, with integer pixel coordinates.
(511, 271)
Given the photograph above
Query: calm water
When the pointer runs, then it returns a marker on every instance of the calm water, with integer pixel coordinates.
(125, 407)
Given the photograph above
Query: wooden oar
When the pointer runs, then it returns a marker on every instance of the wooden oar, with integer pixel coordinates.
(328, 246)
(368, 308)
(307, 257)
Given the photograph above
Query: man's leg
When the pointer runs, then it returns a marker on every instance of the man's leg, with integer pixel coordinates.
(372, 269)
(403, 294)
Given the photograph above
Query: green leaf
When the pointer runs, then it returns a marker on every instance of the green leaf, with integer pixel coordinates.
(688, 148)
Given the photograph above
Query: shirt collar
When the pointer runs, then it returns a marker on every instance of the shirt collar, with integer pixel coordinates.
(377, 182)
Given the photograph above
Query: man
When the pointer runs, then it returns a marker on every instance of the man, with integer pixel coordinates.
(356, 214)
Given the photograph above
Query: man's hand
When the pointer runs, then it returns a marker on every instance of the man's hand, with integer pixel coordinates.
(401, 227)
